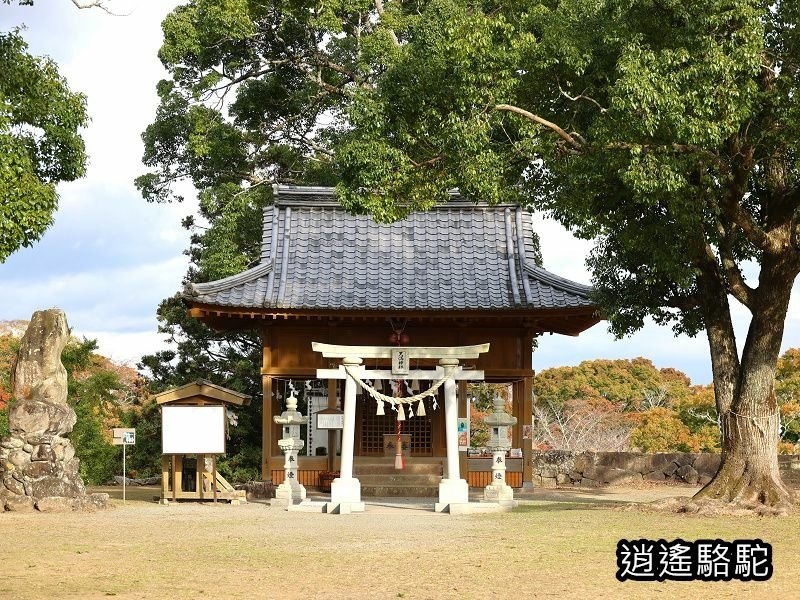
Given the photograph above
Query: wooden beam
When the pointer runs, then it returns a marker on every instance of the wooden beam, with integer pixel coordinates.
(414, 352)
(429, 374)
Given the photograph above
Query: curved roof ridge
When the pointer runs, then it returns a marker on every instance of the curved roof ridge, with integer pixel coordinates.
(557, 281)
(324, 196)
(212, 287)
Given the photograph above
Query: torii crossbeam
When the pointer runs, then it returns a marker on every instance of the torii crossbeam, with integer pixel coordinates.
(346, 489)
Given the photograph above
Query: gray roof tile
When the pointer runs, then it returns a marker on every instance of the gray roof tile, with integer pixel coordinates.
(452, 257)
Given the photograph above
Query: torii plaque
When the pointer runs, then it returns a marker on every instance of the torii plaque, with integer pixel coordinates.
(346, 489)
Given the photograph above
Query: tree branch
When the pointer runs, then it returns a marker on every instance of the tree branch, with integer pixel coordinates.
(731, 206)
(738, 287)
(97, 4)
(581, 96)
(429, 162)
(380, 10)
(537, 119)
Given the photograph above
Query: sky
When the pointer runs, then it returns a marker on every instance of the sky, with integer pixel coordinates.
(110, 257)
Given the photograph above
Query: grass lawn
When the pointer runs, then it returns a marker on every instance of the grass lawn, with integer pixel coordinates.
(553, 547)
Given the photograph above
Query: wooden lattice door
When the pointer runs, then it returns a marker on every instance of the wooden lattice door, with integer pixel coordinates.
(374, 427)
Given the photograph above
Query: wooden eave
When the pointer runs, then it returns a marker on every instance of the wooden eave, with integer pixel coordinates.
(567, 321)
(204, 389)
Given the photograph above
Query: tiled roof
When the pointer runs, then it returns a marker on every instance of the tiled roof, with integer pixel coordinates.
(457, 256)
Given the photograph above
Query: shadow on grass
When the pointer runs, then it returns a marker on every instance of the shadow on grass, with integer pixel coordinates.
(566, 505)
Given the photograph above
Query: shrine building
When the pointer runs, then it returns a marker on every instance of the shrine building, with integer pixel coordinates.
(460, 274)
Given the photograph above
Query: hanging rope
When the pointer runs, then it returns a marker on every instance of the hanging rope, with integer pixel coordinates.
(430, 392)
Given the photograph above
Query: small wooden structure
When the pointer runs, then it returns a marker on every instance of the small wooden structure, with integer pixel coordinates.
(463, 273)
(180, 480)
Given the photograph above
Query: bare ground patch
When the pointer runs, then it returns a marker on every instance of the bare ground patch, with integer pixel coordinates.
(558, 545)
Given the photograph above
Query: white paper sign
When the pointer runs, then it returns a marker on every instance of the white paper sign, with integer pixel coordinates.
(330, 421)
(193, 430)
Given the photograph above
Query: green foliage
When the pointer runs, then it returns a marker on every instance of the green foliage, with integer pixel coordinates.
(4, 422)
(599, 403)
(144, 459)
(787, 390)
(231, 360)
(39, 142)
(91, 395)
(101, 398)
(99, 459)
(633, 384)
(661, 100)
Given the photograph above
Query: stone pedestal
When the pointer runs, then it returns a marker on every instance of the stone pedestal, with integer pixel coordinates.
(345, 496)
(290, 491)
(499, 491)
(452, 491)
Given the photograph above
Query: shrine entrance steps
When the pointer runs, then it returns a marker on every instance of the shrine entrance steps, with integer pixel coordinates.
(379, 478)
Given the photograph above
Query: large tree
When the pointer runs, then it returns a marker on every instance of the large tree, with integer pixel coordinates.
(39, 142)
(665, 131)
(249, 84)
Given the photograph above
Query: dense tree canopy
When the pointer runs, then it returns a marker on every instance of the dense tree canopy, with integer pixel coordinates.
(665, 131)
(39, 142)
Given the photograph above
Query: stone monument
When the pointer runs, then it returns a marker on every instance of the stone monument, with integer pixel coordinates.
(38, 467)
(290, 491)
(499, 423)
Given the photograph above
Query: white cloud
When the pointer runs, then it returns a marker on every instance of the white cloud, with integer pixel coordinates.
(119, 301)
(125, 348)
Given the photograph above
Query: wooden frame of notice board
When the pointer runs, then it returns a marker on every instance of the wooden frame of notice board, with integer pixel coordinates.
(194, 428)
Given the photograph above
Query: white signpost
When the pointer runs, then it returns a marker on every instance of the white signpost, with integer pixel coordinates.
(121, 436)
(330, 418)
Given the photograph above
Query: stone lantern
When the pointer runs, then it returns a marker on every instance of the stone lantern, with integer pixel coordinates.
(290, 491)
(499, 423)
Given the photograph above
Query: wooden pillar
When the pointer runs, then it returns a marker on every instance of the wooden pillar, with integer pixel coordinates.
(517, 393)
(266, 406)
(177, 471)
(175, 480)
(266, 427)
(527, 419)
(164, 476)
(463, 413)
(214, 476)
(200, 461)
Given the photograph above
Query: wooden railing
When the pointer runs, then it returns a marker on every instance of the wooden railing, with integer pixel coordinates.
(309, 477)
(479, 479)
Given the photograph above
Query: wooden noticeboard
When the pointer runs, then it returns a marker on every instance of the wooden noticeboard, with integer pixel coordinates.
(330, 418)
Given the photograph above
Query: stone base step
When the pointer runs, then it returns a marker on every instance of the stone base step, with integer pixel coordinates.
(398, 479)
(399, 491)
(387, 468)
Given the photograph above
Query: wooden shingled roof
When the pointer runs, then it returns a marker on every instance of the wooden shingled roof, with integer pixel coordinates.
(203, 389)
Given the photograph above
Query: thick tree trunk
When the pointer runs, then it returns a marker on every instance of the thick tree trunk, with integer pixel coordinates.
(749, 475)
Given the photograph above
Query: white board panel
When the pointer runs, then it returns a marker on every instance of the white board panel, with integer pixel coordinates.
(193, 430)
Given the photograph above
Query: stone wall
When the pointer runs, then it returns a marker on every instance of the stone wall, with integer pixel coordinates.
(593, 469)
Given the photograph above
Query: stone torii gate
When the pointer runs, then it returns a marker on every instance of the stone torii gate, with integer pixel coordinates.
(346, 489)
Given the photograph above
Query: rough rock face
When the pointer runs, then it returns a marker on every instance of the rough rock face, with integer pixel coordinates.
(37, 463)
